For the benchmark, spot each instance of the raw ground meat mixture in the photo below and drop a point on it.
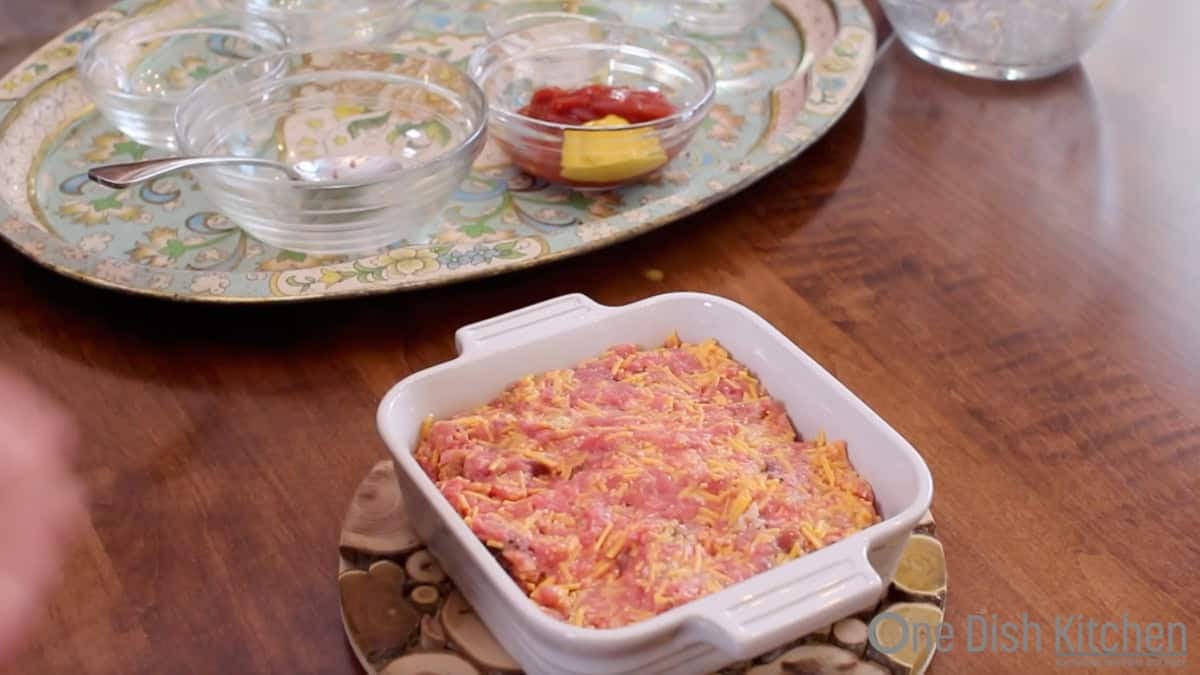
(640, 480)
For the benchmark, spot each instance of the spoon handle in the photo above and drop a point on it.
(120, 176)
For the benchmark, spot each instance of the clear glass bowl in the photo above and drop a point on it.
(333, 23)
(1000, 39)
(716, 18)
(508, 17)
(138, 71)
(417, 110)
(573, 54)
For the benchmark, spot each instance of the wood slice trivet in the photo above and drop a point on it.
(403, 615)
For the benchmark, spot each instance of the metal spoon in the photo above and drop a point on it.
(326, 170)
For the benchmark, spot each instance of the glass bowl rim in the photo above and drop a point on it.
(494, 11)
(708, 77)
(367, 5)
(464, 147)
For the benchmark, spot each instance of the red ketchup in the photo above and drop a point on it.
(578, 107)
(585, 104)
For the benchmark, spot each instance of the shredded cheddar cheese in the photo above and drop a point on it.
(603, 535)
(739, 505)
(829, 477)
(640, 480)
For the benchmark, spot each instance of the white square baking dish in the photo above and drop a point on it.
(737, 623)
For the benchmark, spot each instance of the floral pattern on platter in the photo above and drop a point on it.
(165, 239)
(103, 210)
(114, 146)
(348, 129)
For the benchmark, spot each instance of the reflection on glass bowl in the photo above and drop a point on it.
(418, 111)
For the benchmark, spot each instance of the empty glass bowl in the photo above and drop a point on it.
(416, 110)
(573, 54)
(333, 23)
(140, 70)
(508, 17)
(1000, 39)
(716, 18)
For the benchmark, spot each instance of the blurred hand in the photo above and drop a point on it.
(41, 503)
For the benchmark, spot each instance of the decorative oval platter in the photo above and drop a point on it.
(790, 81)
(403, 616)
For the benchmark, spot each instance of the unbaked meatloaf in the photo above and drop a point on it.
(640, 480)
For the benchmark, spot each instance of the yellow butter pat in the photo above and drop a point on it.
(610, 156)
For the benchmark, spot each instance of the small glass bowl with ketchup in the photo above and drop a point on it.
(591, 104)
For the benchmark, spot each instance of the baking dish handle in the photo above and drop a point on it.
(515, 326)
(780, 606)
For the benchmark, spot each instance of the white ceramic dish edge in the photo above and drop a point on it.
(737, 623)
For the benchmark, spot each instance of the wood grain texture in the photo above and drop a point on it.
(1006, 273)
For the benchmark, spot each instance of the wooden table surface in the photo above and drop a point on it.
(1006, 272)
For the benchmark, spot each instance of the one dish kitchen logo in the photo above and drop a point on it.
(1073, 641)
